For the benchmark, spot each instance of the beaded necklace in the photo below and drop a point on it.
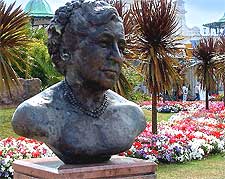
(95, 113)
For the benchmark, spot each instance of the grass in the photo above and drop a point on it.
(160, 116)
(210, 168)
(5, 123)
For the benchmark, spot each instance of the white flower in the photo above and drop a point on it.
(152, 158)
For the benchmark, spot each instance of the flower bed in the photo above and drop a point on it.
(168, 106)
(21, 148)
(188, 135)
(216, 97)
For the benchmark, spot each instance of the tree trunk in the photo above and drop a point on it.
(223, 93)
(177, 93)
(164, 97)
(154, 111)
(207, 99)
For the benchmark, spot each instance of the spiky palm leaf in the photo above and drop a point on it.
(155, 41)
(220, 63)
(155, 28)
(205, 52)
(219, 58)
(122, 85)
(221, 48)
(13, 23)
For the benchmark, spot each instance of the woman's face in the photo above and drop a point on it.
(97, 60)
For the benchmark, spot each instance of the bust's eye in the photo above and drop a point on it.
(104, 43)
(121, 45)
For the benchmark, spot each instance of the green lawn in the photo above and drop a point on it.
(160, 116)
(210, 168)
(5, 123)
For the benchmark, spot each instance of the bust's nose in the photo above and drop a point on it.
(115, 54)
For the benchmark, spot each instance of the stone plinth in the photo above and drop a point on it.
(53, 168)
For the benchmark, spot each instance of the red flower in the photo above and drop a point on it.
(172, 140)
(191, 136)
(155, 152)
(21, 138)
(0, 152)
(36, 154)
(121, 154)
(137, 145)
(216, 134)
(179, 136)
(221, 126)
(129, 152)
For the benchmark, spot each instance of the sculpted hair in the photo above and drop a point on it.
(76, 18)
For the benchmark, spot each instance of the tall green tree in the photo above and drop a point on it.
(155, 25)
(205, 52)
(13, 35)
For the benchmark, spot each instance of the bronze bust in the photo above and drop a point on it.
(80, 118)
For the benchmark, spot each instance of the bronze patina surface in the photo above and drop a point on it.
(80, 118)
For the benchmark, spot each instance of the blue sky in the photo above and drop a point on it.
(203, 11)
(198, 11)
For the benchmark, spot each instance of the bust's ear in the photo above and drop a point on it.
(64, 54)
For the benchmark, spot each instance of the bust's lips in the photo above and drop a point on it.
(110, 72)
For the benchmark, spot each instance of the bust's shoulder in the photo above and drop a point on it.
(35, 110)
(120, 101)
(127, 110)
(43, 99)
(117, 99)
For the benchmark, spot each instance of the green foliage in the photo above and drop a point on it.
(134, 78)
(138, 97)
(38, 63)
(24, 70)
(13, 36)
(42, 66)
(39, 34)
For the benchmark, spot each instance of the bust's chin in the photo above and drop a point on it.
(102, 85)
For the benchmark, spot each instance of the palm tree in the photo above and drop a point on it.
(154, 35)
(13, 31)
(220, 63)
(205, 52)
(122, 85)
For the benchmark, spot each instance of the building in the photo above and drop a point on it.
(39, 11)
(184, 30)
(216, 28)
(190, 37)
